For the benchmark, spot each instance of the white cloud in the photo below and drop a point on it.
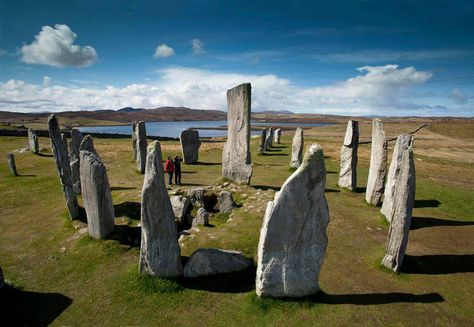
(197, 46)
(46, 81)
(163, 51)
(55, 47)
(379, 90)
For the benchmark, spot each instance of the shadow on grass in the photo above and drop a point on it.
(360, 189)
(82, 215)
(200, 163)
(25, 308)
(331, 172)
(422, 222)
(331, 190)
(25, 175)
(438, 264)
(189, 172)
(266, 187)
(122, 188)
(426, 204)
(45, 155)
(274, 154)
(128, 209)
(126, 235)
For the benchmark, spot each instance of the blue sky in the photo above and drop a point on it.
(339, 57)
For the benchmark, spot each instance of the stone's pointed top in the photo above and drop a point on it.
(87, 144)
(53, 121)
(351, 126)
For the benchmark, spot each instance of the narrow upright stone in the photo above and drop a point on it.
(348, 172)
(236, 158)
(269, 139)
(277, 136)
(134, 139)
(12, 164)
(293, 237)
(96, 195)
(141, 146)
(404, 142)
(226, 202)
(190, 145)
(261, 145)
(160, 254)
(404, 198)
(378, 165)
(62, 164)
(33, 141)
(297, 148)
(74, 149)
(64, 138)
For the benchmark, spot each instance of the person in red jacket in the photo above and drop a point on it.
(169, 168)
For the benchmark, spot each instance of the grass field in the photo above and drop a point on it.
(62, 277)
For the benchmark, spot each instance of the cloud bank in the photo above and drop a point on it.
(381, 90)
(163, 51)
(54, 46)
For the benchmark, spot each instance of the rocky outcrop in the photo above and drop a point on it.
(141, 146)
(205, 262)
(293, 237)
(348, 171)
(236, 158)
(160, 255)
(226, 202)
(190, 144)
(33, 141)
(378, 165)
(297, 149)
(11, 164)
(196, 196)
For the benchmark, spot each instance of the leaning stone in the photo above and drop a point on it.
(226, 202)
(202, 218)
(134, 139)
(62, 164)
(263, 137)
(12, 164)
(236, 158)
(181, 207)
(33, 141)
(160, 255)
(269, 139)
(404, 198)
(378, 164)
(297, 148)
(74, 149)
(348, 171)
(141, 146)
(293, 237)
(277, 136)
(205, 262)
(404, 142)
(190, 144)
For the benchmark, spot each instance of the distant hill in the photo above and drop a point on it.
(274, 112)
(130, 109)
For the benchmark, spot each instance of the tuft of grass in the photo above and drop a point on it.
(133, 280)
(221, 218)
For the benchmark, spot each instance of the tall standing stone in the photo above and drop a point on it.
(269, 139)
(293, 237)
(277, 136)
(348, 172)
(96, 195)
(261, 145)
(378, 164)
(141, 146)
(33, 141)
(12, 164)
(297, 148)
(134, 139)
(160, 254)
(64, 138)
(190, 144)
(74, 149)
(404, 198)
(236, 158)
(62, 164)
(404, 142)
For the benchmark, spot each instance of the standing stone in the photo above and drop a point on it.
(202, 218)
(64, 137)
(404, 142)
(263, 138)
(277, 136)
(226, 202)
(378, 165)
(62, 164)
(404, 198)
(74, 149)
(87, 144)
(236, 159)
(134, 139)
(297, 148)
(269, 139)
(12, 164)
(96, 195)
(33, 141)
(348, 172)
(190, 144)
(141, 146)
(181, 207)
(160, 255)
(293, 237)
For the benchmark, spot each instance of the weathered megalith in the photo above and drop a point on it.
(141, 146)
(160, 255)
(263, 138)
(404, 142)
(196, 196)
(74, 149)
(134, 139)
(202, 218)
(236, 158)
(33, 141)
(277, 136)
(190, 144)
(269, 139)
(96, 195)
(297, 148)
(404, 198)
(62, 164)
(226, 202)
(205, 262)
(378, 164)
(12, 164)
(181, 207)
(348, 171)
(293, 237)
(64, 137)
